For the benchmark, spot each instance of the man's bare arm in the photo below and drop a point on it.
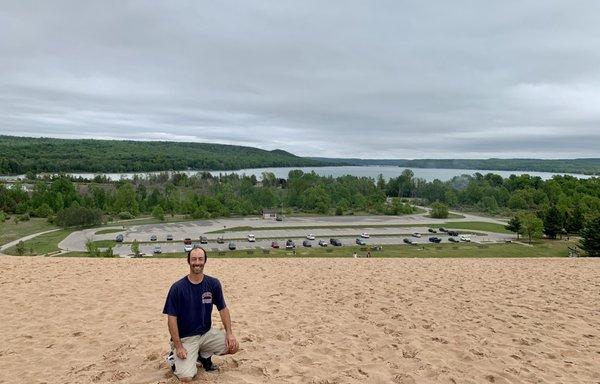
(232, 344)
(174, 331)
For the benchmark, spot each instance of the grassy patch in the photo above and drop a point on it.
(478, 226)
(105, 243)
(104, 231)
(10, 231)
(42, 244)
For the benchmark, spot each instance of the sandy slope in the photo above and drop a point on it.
(68, 320)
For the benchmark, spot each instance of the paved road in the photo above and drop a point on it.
(193, 229)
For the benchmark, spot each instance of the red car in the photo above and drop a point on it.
(274, 244)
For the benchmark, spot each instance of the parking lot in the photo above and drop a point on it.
(383, 230)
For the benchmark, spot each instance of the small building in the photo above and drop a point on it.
(269, 213)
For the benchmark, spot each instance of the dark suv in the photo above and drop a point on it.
(290, 244)
(335, 242)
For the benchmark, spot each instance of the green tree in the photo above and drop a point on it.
(135, 247)
(531, 226)
(590, 237)
(575, 219)
(439, 210)
(20, 248)
(553, 222)
(77, 215)
(43, 210)
(126, 199)
(92, 248)
(158, 213)
(514, 225)
(2, 217)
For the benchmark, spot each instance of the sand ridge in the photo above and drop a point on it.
(78, 320)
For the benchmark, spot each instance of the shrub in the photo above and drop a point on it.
(78, 216)
(3, 217)
(43, 210)
(125, 215)
(158, 213)
(439, 210)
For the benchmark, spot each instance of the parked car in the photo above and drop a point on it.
(465, 238)
(231, 246)
(452, 233)
(157, 249)
(119, 238)
(274, 244)
(153, 238)
(220, 240)
(169, 237)
(310, 236)
(251, 238)
(453, 239)
(364, 235)
(432, 230)
(335, 242)
(322, 243)
(408, 241)
(435, 239)
(360, 241)
(416, 234)
(290, 244)
(306, 243)
(203, 240)
(442, 229)
(279, 218)
(187, 244)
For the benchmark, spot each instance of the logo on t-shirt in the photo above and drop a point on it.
(207, 298)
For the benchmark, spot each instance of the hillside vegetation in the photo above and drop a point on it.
(19, 155)
(582, 166)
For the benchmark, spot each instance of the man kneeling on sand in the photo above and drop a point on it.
(189, 307)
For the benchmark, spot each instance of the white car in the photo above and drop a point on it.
(464, 238)
(251, 238)
(187, 247)
(416, 234)
(364, 235)
(310, 236)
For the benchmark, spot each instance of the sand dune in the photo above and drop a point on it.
(66, 320)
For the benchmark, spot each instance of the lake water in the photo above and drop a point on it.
(388, 172)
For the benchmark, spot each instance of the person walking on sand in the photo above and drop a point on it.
(355, 255)
(188, 308)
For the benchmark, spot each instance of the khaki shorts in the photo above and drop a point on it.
(211, 343)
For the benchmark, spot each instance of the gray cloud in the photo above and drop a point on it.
(384, 79)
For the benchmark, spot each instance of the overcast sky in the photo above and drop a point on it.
(371, 79)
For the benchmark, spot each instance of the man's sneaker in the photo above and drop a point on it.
(207, 364)
(171, 360)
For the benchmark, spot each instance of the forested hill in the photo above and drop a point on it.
(585, 166)
(19, 155)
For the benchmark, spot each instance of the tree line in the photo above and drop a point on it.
(559, 206)
(19, 155)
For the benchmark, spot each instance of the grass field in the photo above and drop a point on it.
(10, 231)
(42, 244)
(469, 225)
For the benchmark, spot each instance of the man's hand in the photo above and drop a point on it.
(232, 343)
(181, 352)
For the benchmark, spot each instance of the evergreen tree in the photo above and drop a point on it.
(514, 225)
(553, 222)
(590, 237)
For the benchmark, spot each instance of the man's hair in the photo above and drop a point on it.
(197, 247)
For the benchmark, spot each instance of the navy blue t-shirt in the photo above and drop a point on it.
(192, 304)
